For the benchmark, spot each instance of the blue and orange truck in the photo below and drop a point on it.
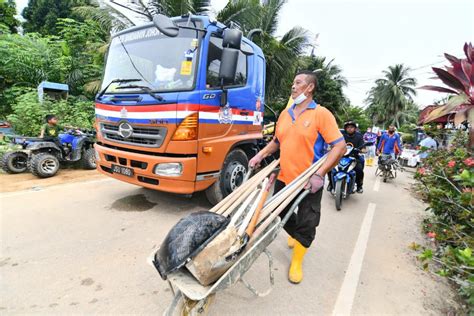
(181, 106)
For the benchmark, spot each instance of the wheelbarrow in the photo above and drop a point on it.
(192, 298)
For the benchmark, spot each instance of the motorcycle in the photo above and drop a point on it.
(343, 176)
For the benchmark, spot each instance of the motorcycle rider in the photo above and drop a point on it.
(390, 143)
(356, 139)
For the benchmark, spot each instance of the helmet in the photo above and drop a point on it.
(348, 123)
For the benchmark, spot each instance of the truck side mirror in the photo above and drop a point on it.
(228, 67)
(227, 70)
(165, 25)
(232, 38)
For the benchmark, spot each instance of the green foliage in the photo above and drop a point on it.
(42, 15)
(446, 182)
(408, 138)
(74, 57)
(356, 114)
(390, 100)
(330, 83)
(28, 114)
(7, 15)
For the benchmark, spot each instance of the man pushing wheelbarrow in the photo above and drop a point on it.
(302, 131)
(209, 251)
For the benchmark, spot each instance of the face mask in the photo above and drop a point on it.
(391, 132)
(301, 98)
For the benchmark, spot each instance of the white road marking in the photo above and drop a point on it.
(42, 189)
(377, 184)
(346, 296)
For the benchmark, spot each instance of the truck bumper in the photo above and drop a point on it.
(143, 166)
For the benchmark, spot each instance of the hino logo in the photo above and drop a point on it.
(125, 130)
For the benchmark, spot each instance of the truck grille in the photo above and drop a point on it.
(141, 136)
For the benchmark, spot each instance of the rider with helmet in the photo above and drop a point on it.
(355, 139)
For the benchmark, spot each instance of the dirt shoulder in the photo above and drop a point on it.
(27, 181)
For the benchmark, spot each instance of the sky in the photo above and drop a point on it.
(364, 37)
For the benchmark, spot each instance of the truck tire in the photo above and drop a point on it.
(232, 174)
(14, 162)
(44, 165)
(88, 159)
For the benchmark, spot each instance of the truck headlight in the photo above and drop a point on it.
(169, 169)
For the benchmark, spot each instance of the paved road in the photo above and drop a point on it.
(82, 248)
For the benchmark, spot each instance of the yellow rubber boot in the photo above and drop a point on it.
(295, 274)
(291, 242)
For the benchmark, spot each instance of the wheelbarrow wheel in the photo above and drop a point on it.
(182, 306)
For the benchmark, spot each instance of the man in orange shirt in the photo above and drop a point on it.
(302, 132)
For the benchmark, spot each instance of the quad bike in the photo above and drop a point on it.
(43, 156)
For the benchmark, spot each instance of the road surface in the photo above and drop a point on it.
(82, 248)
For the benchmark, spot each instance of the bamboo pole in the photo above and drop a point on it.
(236, 197)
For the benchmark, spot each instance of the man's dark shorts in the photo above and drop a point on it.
(302, 226)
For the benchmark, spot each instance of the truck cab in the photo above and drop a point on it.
(181, 106)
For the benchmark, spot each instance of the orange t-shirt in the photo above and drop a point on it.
(304, 140)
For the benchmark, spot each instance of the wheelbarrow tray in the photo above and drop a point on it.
(192, 289)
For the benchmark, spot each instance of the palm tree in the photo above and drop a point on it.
(319, 65)
(392, 94)
(281, 54)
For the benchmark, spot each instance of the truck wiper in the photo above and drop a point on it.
(143, 89)
(102, 92)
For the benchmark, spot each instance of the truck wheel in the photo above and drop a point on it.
(14, 162)
(232, 176)
(44, 165)
(88, 159)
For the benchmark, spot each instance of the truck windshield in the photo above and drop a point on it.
(162, 63)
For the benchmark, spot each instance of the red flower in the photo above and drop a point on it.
(469, 161)
(421, 171)
(451, 164)
(431, 235)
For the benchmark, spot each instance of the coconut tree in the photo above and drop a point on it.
(393, 92)
(281, 54)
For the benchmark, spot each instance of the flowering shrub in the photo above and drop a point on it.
(446, 182)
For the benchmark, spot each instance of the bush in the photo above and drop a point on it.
(28, 113)
(446, 183)
(408, 139)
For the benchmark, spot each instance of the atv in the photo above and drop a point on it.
(43, 156)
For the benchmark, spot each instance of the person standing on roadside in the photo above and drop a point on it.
(371, 138)
(302, 132)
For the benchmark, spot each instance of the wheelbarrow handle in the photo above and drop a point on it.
(294, 206)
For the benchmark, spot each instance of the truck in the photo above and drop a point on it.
(181, 106)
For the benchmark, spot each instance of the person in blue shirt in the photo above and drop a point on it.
(370, 138)
(390, 143)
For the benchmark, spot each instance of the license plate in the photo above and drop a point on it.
(122, 170)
